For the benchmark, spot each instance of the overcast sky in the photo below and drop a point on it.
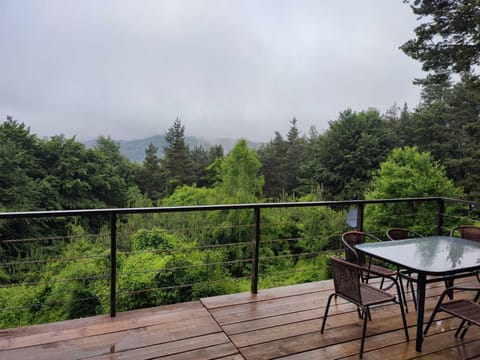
(226, 68)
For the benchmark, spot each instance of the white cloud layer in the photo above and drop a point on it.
(227, 68)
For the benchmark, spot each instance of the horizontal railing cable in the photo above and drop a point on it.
(281, 239)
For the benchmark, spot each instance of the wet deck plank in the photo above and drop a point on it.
(280, 322)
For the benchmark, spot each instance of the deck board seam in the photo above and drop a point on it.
(217, 307)
(222, 329)
(125, 351)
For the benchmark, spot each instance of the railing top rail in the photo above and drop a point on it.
(170, 209)
(467, 202)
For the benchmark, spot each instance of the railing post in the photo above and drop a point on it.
(113, 265)
(440, 212)
(361, 207)
(255, 249)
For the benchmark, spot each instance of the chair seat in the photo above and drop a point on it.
(373, 296)
(346, 281)
(464, 309)
(381, 270)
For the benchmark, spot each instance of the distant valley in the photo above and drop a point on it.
(135, 149)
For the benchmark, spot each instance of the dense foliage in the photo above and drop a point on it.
(54, 269)
(408, 173)
(447, 121)
(178, 257)
(343, 158)
(447, 39)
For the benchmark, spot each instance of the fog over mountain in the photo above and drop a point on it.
(135, 149)
(227, 69)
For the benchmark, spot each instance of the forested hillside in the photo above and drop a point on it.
(135, 149)
(55, 269)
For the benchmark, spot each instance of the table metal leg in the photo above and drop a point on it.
(421, 285)
(449, 284)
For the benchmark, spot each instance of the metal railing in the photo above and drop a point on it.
(115, 215)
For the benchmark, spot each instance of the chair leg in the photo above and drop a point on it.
(432, 317)
(366, 278)
(462, 324)
(449, 284)
(365, 311)
(404, 319)
(402, 295)
(463, 328)
(412, 289)
(460, 327)
(326, 312)
(360, 311)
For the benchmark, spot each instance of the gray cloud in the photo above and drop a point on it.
(226, 68)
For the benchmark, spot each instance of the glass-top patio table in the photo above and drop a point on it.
(432, 255)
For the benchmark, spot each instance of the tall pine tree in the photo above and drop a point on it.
(177, 161)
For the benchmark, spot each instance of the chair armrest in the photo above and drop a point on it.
(416, 233)
(392, 279)
(457, 288)
(463, 288)
(374, 237)
(370, 271)
(353, 250)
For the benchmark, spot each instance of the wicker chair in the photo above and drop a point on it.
(469, 232)
(352, 238)
(398, 233)
(401, 233)
(467, 310)
(347, 284)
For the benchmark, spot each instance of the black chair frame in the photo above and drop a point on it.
(369, 270)
(400, 233)
(348, 285)
(467, 310)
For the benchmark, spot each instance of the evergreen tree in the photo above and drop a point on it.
(449, 128)
(110, 149)
(272, 156)
(402, 125)
(177, 161)
(447, 40)
(342, 159)
(203, 161)
(447, 120)
(79, 177)
(150, 176)
(295, 155)
(281, 160)
(215, 152)
(114, 173)
(200, 161)
(20, 170)
(405, 128)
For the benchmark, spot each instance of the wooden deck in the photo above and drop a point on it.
(276, 323)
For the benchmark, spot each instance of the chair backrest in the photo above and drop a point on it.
(401, 233)
(346, 280)
(350, 239)
(469, 232)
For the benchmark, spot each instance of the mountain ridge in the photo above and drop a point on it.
(135, 149)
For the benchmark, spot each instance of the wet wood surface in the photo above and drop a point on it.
(280, 322)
